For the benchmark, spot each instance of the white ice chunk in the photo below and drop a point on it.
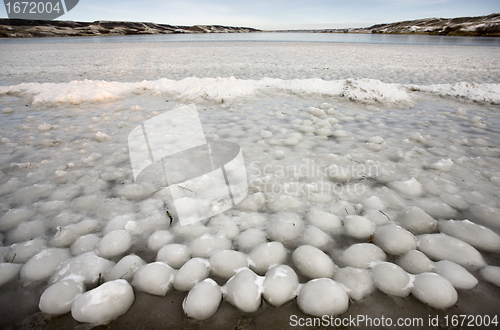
(250, 238)
(224, 226)
(104, 303)
(444, 247)
(491, 274)
(8, 272)
(434, 290)
(326, 221)
(417, 221)
(192, 272)
(43, 264)
(174, 255)
(207, 245)
(159, 239)
(266, 255)
(15, 217)
(225, 263)
(85, 244)
(391, 279)
(358, 226)
(394, 239)
(357, 280)
(154, 278)
(57, 298)
(312, 262)
(285, 227)
(244, 291)
(317, 238)
(458, 276)
(125, 268)
(87, 265)
(114, 244)
(478, 236)
(67, 235)
(323, 297)
(22, 252)
(415, 262)
(203, 300)
(362, 255)
(442, 165)
(410, 188)
(280, 285)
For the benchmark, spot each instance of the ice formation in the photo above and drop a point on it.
(391, 173)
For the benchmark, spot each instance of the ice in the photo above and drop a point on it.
(225, 263)
(458, 276)
(192, 272)
(491, 274)
(323, 297)
(224, 227)
(125, 268)
(285, 203)
(14, 217)
(154, 278)
(478, 236)
(358, 281)
(415, 262)
(43, 264)
(312, 262)
(34, 192)
(485, 215)
(394, 239)
(250, 238)
(114, 244)
(27, 230)
(434, 290)
(22, 252)
(118, 222)
(207, 245)
(317, 238)
(266, 255)
(358, 226)
(362, 255)
(326, 221)
(104, 303)
(391, 279)
(244, 291)
(410, 188)
(159, 239)
(417, 221)
(87, 265)
(280, 285)
(8, 272)
(203, 300)
(58, 298)
(174, 255)
(285, 227)
(444, 247)
(67, 235)
(86, 243)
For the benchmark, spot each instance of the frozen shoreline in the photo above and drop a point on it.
(428, 124)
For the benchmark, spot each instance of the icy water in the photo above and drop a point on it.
(363, 161)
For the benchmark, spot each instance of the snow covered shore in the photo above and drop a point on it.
(373, 176)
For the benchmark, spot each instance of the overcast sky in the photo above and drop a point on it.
(275, 14)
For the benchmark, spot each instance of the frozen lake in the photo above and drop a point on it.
(372, 166)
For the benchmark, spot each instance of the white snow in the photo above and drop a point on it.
(104, 303)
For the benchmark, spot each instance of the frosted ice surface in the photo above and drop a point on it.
(58, 298)
(280, 285)
(391, 279)
(434, 290)
(266, 255)
(357, 280)
(174, 255)
(243, 291)
(192, 272)
(225, 263)
(458, 276)
(155, 278)
(394, 239)
(312, 262)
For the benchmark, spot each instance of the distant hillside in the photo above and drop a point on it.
(460, 26)
(20, 28)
